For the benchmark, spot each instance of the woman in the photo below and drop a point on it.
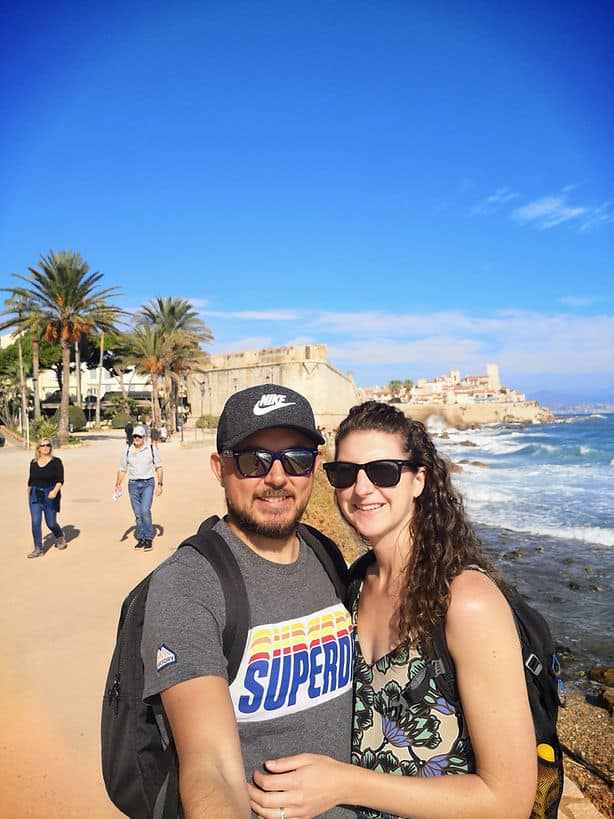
(44, 487)
(394, 489)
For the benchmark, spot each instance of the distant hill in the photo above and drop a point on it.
(575, 400)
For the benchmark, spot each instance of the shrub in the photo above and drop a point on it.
(120, 419)
(207, 421)
(43, 428)
(76, 418)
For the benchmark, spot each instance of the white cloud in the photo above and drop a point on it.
(239, 345)
(521, 342)
(577, 301)
(547, 212)
(550, 211)
(551, 346)
(499, 197)
(256, 315)
(597, 217)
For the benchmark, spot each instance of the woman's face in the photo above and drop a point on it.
(44, 448)
(377, 511)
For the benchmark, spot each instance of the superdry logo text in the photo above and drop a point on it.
(271, 402)
(165, 657)
(294, 665)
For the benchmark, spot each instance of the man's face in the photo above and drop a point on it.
(270, 506)
(138, 441)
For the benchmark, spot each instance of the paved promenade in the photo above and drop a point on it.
(59, 614)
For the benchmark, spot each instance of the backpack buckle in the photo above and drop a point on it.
(534, 664)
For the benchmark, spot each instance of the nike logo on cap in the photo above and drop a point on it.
(269, 403)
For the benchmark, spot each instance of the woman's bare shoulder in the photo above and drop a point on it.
(475, 598)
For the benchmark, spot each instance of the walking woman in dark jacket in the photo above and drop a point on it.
(44, 488)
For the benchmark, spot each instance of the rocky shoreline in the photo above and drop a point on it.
(587, 730)
(469, 416)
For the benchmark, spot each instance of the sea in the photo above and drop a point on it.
(541, 497)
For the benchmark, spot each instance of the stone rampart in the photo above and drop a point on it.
(304, 368)
(463, 416)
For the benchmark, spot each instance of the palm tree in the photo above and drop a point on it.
(69, 299)
(174, 315)
(148, 348)
(177, 319)
(25, 317)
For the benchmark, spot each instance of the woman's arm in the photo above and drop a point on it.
(483, 642)
(59, 478)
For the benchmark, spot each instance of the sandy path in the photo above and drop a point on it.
(59, 614)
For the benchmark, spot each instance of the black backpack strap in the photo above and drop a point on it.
(442, 664)
(329, 556)
(356, 574)
(214, 548)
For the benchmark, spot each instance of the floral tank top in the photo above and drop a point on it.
(402, 723)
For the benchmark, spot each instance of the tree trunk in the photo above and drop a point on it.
(35, 376)
(99, 391)
(63, 432)
(78, 372)
(22, 386)
(154, 401)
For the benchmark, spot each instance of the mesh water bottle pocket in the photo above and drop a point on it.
(549, 785)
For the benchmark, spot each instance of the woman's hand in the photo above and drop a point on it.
(305, 785)
(53, 494)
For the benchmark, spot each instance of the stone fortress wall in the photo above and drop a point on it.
(304, 368)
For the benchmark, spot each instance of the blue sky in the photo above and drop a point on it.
(418, 185)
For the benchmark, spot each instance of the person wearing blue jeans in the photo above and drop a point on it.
(144, 468)
(45, 482)
(141, 493)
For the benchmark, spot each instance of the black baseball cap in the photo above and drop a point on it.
(263, 407)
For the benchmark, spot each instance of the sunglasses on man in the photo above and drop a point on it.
(383, 473)
(297, 462)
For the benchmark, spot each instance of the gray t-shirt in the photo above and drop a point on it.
(293, 690)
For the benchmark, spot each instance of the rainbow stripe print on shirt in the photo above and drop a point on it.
(294, 665)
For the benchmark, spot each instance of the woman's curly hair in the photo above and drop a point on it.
(443, 541)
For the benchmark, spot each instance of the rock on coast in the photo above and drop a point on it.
(467, 416)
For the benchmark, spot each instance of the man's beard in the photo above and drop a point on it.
(277, 531)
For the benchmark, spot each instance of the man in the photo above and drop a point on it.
(143, 464)
(292, 692)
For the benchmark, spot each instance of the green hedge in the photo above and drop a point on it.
(76, 418)
(120, 419)
(207, 421)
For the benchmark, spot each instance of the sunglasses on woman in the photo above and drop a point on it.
(384, 473)
(297, 462)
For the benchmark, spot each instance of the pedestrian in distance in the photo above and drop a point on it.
(45, 483)
(395, 490)
(293, 686)
(145, 478)
(154, 436)
(163, 433)
(128, 429)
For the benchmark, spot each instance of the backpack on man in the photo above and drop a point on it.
(139, 761)
(542, 674)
